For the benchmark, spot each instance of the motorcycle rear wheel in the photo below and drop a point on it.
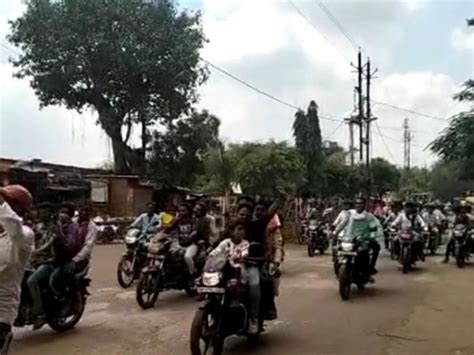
(344, 282)
(125, 276)
(148, 290)
(63, 324)
(198, 327)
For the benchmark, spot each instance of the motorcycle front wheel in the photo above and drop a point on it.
(201, 340)
(148, 289)
(460, 261)
(125, 272)
(405, 259)
(310, 250)
(344, 282)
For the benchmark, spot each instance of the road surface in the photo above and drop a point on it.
(429, 311)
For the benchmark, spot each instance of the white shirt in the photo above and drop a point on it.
(342, 218)
(16, 245)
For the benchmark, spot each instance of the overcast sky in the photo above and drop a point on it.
(422, 49)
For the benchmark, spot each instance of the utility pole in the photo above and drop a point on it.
(407, 137)
(352, 121)
(360, 106)
(368, 119)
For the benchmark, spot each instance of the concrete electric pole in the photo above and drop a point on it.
(407, 137)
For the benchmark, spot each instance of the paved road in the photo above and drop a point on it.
(427, 312)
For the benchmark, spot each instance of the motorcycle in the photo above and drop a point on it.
(432, 238)
(61, 313)
(409, 252)
(461, 252)
(316, 237)
(224, 312)
(133, 260)
(302, 232)
(352, 264)
(165, 269)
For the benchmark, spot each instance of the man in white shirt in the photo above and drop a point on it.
(16, 245)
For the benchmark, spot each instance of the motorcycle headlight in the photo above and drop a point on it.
(211, 279)
(130, 239)
(346, 246)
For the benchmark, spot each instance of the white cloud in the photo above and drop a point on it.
(52, 134)
(462, 39)
(269, 45)
(425, 92)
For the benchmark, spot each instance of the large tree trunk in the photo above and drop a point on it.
(120, 156)
(126, 160)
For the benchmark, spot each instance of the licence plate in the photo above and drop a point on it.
(349, 253)
(211, 290)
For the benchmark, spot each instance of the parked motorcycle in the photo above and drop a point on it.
(224, 311)
(352, 264)
(316, 237)
(165, 269)
(461, 252)
(133, 260)
(61, 313)
(410, 249)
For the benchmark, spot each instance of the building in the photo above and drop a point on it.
(111, 194)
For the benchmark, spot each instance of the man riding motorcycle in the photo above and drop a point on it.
(433, 219)
(16, 245)
(257, 220)
(395, 209)
(72, 244)
(149, 222)
(362, 223)
(190, 230)
(409, 218)
(461, 218)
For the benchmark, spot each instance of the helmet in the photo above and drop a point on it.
(18, 195)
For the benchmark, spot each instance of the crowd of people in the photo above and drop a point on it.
(59, 245)
(362, 217)
(64, 242)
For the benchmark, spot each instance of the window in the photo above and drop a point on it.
(99, 192)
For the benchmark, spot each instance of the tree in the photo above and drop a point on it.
(415, 180)
(263, 167)
(135, 62)
(307, 133)
(456, 143)
(385, 175)
(178, 153)
(446, 182)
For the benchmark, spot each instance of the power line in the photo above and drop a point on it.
(384, 142)
(339, 25)
(252, 87)
(225, 72)
(317, 30)
(335, 130)
(10, 49)
(409, 110)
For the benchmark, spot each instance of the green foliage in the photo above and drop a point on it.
(456, 143)
(269, 166)
(133, 61)
(259, 168)
(385, 176)
(179, 151)
(415, 180)
(446, 182)
(307, 133)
